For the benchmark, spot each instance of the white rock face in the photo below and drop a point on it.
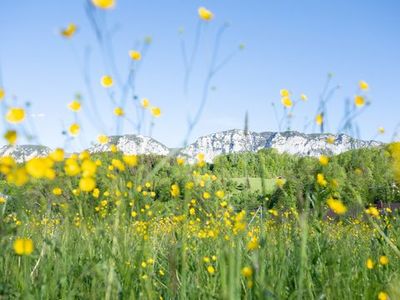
(226, 142)
(292, 142)
(22, 153)
(132, 144)
(232, 141)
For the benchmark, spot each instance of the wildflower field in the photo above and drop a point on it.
(249, 225)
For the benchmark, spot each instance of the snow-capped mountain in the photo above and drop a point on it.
(24, 152)
(132, 144)
(231, 141)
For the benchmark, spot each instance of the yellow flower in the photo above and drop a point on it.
(15, 115)
(175, 191)
(369, 264)
(247, 272)
(372, 211)
(145, 103)
(106, 81)
(69, 31)
(359, 101)
(336, 206)
(303, 97)
(75, 106)
(11, 136)
(210, 269)
(102, 139)
(363, 85)
(381, 130)
(220, 194)
(74, 129)
(57, 191)
(2, 93)
(119, 111)
(321, 180)
(330, 140)
(280, 182)
(89, 168)
(130, 160)
(287, 102)
(23, 246)
(18, 177)
(40, 168)
(180, 161)
(116, 163)
(87, 184)
(284, 93)
(57, 155)
(104, 4)
(323, 160)
(135, 55)
(383, 296)
(206, 195)
(113, 148)
(72, 167)
(383, 260)
(252, 244)
(205, 14)
(155, 112)
(319, 119)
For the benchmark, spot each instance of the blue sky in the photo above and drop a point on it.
(288, 44)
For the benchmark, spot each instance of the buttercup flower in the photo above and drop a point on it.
(205, 14)
(104, 4)
(23, 246)
(145, 103)
(11, 136)
(15, 115)
(156, 112)
(2, 93)
(106, 81)
(363, 85)
(69, 31)
(135, 55)
(74, 129)
(119, 111)
(336, 206)
(359, 101)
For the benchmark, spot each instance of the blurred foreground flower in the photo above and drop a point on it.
(23, 246)
(106, 81)
(75, 106)
(205, 14)
(74, 129)
(135, 55)
(11, 136)
(15, 115)
(156, 112)
(102, 139)
(319, 119)
(2, 93)
(359, 101)
(69, 31)
(119, 111)
(104, 4)
(363, 85)
(336, 206)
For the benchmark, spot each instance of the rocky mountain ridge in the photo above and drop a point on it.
(212, 145)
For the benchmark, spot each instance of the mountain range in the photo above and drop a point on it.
(212, 145)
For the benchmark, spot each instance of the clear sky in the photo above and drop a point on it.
(288, 44)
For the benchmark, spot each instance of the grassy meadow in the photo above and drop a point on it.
(264, 225)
